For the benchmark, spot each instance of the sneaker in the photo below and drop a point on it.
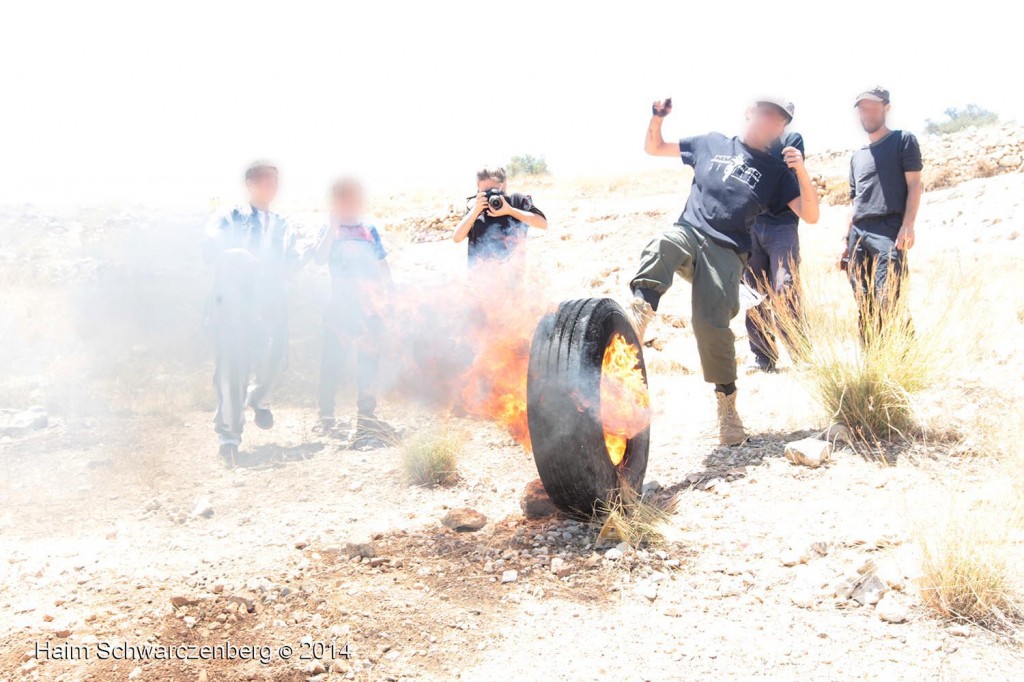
(730, 428)
(229, 455)
(639, 313)
(263, 418)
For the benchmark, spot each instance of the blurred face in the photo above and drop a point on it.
(347, 204)
(872, 114)
(489, 184)
(262, 187)
(765, 124)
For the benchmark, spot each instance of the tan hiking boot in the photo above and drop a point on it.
(730, 428)
(640, 313)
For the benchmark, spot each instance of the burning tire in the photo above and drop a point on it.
(587, 404)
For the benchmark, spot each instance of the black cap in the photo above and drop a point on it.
(875, 94)
(780, 103)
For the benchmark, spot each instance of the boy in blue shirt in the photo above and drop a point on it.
(360, 279)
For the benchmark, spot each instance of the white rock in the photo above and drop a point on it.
(890, 610)
(203, 509)
(614, 554)
(509, 576)
(792, 557)
(802, 598)
(810, 452)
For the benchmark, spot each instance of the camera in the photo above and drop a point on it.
(495, 199)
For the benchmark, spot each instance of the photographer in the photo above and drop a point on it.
(497, 222)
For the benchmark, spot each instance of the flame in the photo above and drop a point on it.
(625, 402)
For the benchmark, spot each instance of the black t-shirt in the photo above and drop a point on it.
(878, 186)
(496, 237)
(786, 217)
(732, 185)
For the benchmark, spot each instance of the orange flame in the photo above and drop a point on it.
(625, 402)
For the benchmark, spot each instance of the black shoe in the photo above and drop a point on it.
(229, 455)
(766, 365)
(263, 418)
(324, 427)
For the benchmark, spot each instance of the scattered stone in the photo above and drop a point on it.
(802, 598)
(843, 588)
(136, 673)
(17, 423)
(837, 433)
(203, 509)
(560, 567)
(178, 601)
(535, 501)
(650, 487)
(614, 554)
(869, 590)
(673, 612)
(710, 485)
(301, 543)
(1010, 161)
(509, 576)
(959, 631)
(648, 590)
(792, 556)
(810, 452)
(464, 520)
(377, 562)
(358, 548)
(62, 633)
(890, 610)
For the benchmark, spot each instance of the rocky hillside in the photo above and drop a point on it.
(948, 160)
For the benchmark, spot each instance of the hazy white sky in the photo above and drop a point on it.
(138, 101)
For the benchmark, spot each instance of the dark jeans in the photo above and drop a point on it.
(338, 346)
(877, 269)
(774, 257)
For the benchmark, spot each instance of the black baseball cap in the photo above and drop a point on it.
(780, 103)
(875, 94)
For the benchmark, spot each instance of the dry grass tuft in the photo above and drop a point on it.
(636, 520)
(431, 457)
(969, 571)
(837, 191)
(869, 380)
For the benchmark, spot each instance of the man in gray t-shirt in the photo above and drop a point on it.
(885, 190)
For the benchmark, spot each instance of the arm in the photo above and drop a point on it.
(654, 143)
(529, 217)
(322, 250)
(905, 238)
(466, 224)
(805, 205)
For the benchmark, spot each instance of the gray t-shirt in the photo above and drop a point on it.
(878, 186)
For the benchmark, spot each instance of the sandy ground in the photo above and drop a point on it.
(130, 530)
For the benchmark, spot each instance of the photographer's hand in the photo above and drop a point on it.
(481, 204)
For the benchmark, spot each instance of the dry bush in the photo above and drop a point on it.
(431, 457)
(871, 383)
(939, 177)
(634, 519)
(969, 571)
(837, 191)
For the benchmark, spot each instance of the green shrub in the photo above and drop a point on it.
(958, 119)
(525, 164)
(431, 458)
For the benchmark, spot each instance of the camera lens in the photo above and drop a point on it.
(494, 201)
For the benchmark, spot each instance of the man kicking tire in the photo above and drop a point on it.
(735, 180)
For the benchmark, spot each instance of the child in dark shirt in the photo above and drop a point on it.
(360, 278)
(495, 234)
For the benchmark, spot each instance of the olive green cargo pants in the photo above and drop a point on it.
(715, 272)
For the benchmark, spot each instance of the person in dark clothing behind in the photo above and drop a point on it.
(774, 255)
(253, 250)
(735, 179)
(885, 190)
(496, 234)
(360, 280)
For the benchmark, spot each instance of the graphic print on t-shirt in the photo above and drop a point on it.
(736, 167)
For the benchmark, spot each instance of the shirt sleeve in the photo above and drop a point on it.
(378, 245)
(524, 202)
(795, 140)
(910, 153)
(788, 189)
(689, 148)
